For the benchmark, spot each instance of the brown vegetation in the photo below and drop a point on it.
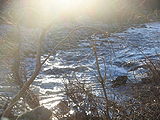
(81, 102)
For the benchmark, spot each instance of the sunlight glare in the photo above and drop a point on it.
(35, 12)
(69, 4)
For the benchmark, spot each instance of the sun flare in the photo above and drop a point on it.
(35, 11)
(69, 4)
(58, 7)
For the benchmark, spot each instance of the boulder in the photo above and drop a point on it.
(39, 113)
(120, 80)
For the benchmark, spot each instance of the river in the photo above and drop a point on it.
(122, 52)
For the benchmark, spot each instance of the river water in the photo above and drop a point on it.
(122, 53)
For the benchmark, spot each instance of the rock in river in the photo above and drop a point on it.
(39, 113)
(120, 80)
